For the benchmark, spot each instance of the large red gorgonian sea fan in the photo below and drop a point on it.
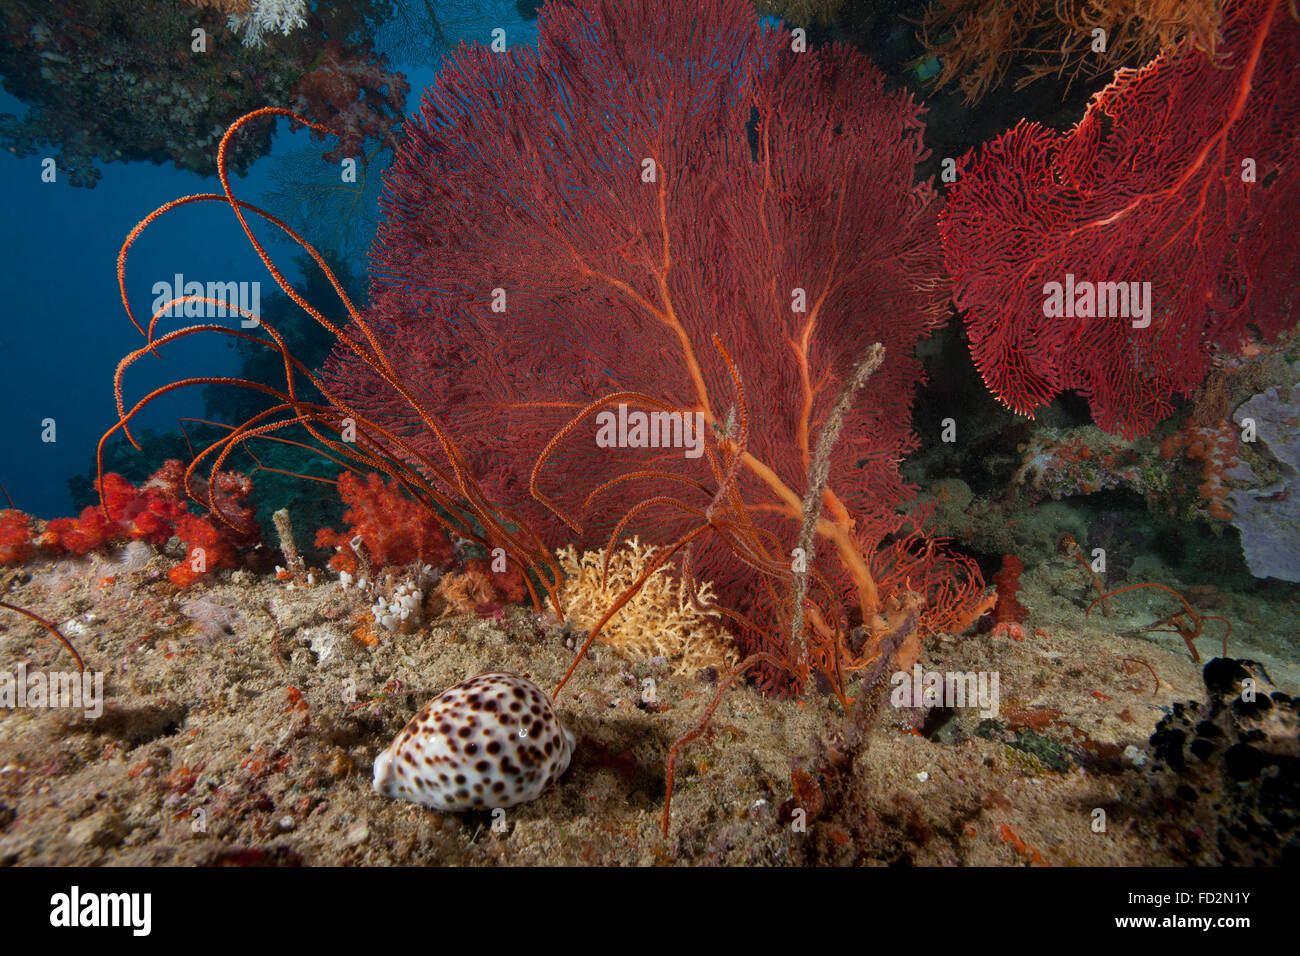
(601, 223)
(1181, 174)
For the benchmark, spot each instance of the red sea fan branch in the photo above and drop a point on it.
(1150, 186)
(567, 231)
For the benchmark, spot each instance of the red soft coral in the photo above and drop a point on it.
(393, 528)
(15, 537)
(77, 535)
(356, 95)
(207, 548)
(151, 513)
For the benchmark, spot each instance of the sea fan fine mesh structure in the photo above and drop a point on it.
(674, 210)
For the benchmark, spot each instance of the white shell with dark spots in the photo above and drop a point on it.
(491, 741)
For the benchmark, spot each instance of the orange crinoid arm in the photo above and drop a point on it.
(437, 475)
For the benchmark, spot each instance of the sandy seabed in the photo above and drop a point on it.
(246, 735)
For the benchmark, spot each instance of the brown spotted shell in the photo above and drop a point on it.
(491, 741)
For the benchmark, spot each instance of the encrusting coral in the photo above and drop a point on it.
(667, 618)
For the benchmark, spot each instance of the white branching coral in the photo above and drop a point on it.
(661, 620)
(268, 16)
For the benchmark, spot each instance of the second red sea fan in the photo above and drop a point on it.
(581, 221)
(1179, 185)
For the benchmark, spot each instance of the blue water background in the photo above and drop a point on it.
(64, 329)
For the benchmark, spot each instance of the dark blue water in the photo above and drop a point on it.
(64, 328)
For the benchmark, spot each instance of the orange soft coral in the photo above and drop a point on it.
(509, 584)
(480, 590)
(1215, 447)
(393, 528)
(468, 591)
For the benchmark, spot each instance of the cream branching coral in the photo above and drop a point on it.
(254, 19)
(662, 620)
